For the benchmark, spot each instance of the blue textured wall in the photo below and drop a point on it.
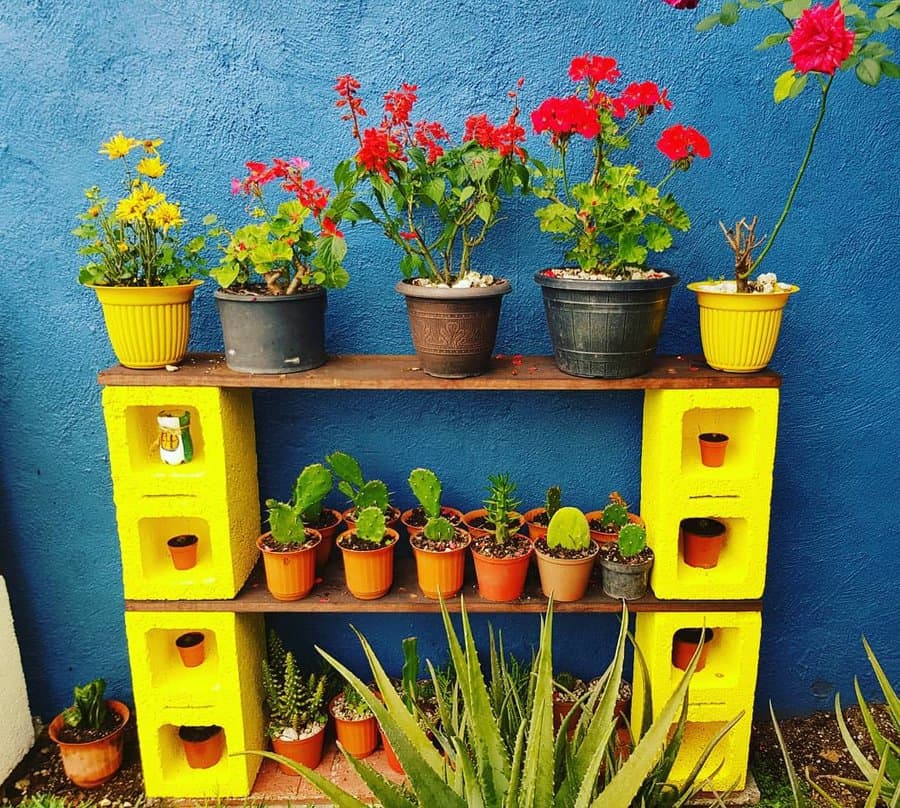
(223, 82)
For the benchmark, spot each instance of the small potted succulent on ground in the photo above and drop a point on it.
(437, 202)
(295, 707)
(368, 552)
(625, 563)
(702, 541)
(143, 274)
(538, 519)
(354, 722)
(274, 272)
(290, 548)
(565, 557)
(501, 554)
(203, 745)
(605, 524)
(362, 493)
(439, 548)
(89, 735)
(605, 310)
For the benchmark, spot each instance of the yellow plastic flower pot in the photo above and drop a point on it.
(739, 332)
(148, 326)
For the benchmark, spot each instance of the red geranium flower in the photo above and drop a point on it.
(565, 116)
(329, 229)
(821, 41)
(593, 68)
(643, 95)
(680, 142)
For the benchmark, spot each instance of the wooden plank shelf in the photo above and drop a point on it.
(378, 372)
(331, 595)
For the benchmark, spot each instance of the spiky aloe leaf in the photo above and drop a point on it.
(346, 467)
(862, 763)
(890, 696)
(632, 539)
(537, 770)
(387, 793)
(426, 487)
(883, 747)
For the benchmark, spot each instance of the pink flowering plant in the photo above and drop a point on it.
(288, 246)
(614, 218)
(433, 199)
(823, 41)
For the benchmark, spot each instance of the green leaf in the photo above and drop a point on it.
(209, 219)
(466, 192)
(434, 189)
(887, 9)
(657, 236)
(360, 210)
(772, 40)
(799, 86)
(729, 14)
(707, 23)
(783, 85)
(411, 265)
(868, 71)
(484, 211)
(794, 8)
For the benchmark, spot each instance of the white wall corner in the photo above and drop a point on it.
(16, 730)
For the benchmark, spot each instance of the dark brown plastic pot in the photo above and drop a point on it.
(453, 330)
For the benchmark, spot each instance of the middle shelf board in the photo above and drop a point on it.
(331, 595)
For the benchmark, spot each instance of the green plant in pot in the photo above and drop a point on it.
(290, 548)
(89, 735)
(428, 490)
(368, 553)
(361, 492)
(502, 555)
(605, 308)
(144, 275)
(295, 707)
(625, 563)
(565, 557)
(537, 519)
(313, 484)
(354, 722)
(440, 547)
(605, 524)
(437, 202)
(740, 319)
(274, 272)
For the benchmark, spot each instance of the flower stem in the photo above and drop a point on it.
(801, 171)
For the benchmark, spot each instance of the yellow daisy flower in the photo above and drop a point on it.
(94, 211)
(151, 145)
(167, 215)
(147, 195)
(118, 146)
(130, 209)
(151, 167)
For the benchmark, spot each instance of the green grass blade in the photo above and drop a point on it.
(829, 800)
(875, 793)
(883, 747)
(890, 696)
(799, 799)
(867, 769)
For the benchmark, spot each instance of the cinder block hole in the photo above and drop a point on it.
(723, 663)
(736, 422)
(173, 760)
(156, 561)
(143, 436)
(168, 672)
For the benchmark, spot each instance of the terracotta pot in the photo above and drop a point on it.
(290, 575)
(606, 538)
(703, 541)
(360, 737)
(91, 764)
(390, 518)
(561, 709)
(307, 751)
(712, 448)
(455, 516)
(191, 647)
(501, 579)
(389, 755)
(565, 578)
(479, 532)
(323, 551)
(625, 581)
(183, 550)
(685, 643)
(535, 531)
(441, 573)
(369, 573)
(203, 746)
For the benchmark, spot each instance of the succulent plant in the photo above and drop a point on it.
(370, 525)
(553, 501)
(361, 492)
(569, 529)
(427, 489)
(632, 539)
(288, 519)
(500, 503)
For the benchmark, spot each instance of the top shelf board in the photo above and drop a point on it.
(377, 372)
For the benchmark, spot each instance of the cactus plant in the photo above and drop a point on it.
(370, 525)
(292, 700)
(499, 504)
(361, 492)
(632, 540)
(569, 530)
(427, 489)
(287, 520)
(553, 501)
(616, 513)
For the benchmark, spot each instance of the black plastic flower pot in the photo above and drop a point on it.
(267, 334)
(605, 329)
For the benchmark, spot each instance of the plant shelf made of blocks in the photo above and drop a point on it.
(731, 753)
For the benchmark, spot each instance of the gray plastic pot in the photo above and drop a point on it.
(628, 581)
(266, 334)
(605, 329)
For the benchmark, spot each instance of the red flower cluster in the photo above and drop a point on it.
(377, 147)
(398, 105)
(563, 117)
(309, 193)
(594, 69)
(427, 135)
(821, 41)
(504, 138)
(641, 96)
(329, 229)
(346, 88)
(681, 142)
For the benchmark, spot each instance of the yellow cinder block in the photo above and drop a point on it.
(725, 687)
(225, 690)
(675, 486)
(215, 495)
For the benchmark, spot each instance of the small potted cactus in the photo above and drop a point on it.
(362, 493)
(312, 486)
(565, 557)
(605, 524)
(354, 723)
(625, 564)
(368, 552)
(538, 519)
(440, 547)
(501, 554)
(422, 481)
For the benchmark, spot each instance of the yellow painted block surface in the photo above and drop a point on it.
(225, 690)
(215, 495)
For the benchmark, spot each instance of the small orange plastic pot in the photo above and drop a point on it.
(203, 746)
(441, 573)
(369, 574)
(703, 540)
(685, 643)
(323, 551)
(712, 448)
(389, 755)
(191, 647)
(290, 575)
(360, 737)
(452, 514)
(183, 550)
(516, 519)
(307, 751)
(91, 764)
(502, 579)
(535, 531)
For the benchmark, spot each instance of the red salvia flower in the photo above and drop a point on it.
(427, 135)
(408, 235)
(682, 4)
(329, 229)
(346, 88)
(821, 41)
(377, 149)
(398, 104)
(680, 142)
(594, 69)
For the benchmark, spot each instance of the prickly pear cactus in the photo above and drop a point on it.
(346, 467)
(370, 525)
(426, 487)
(615, 515)
(554, 500)
(373, 494)
(285, 523)
(569, 529)
(439, 529)
(632, 539)
(311, 488)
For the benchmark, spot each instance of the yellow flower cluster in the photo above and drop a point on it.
(145, 201)
(119, 146)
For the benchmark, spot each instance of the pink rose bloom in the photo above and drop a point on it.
(821, 41)
(683, 3)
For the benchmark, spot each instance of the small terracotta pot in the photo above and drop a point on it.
(183, 550)
(480, 533)
(606, 538)
(565, 578)
(561, 709)
(501, 579)
(441, 573)
(307, 751)
(203, 746)
(389, 755)
(91, 764)
(323, 551)
(455, 516)
(685, 643)
(712, 448)
(360, 737)
(535, 531)
(703, 540)
(390, 518)
(369, 573)
(191, 647)
(290, 575)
